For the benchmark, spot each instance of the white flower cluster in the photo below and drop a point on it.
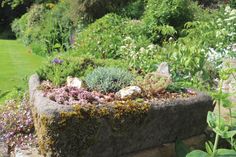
(137, 56)
(226, 34)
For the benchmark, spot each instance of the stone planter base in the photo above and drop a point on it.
(166, 150)
(118, 130)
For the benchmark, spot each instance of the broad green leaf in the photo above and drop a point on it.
(229, 134)
(226, 153)
(181, 149)
(198, 153)
(213, 122)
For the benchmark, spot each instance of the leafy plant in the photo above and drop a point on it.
(164, 17)
(104, 37)
(58, 69)
(232, 3)
(223, 129)
(91, 10)
(46, 29)
(108, 79)
(133, 9)
(141, 59)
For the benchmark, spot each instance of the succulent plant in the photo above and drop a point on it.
(154, 83)
(16, 124)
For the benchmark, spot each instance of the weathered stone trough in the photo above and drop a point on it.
(106, 132)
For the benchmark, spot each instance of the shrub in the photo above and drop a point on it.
(133, 9)
(94, 9)
(104, 37)
(108, 79)
(36, 14)
(50, 27)
(232, 3)
(164, 17)
(56, 29)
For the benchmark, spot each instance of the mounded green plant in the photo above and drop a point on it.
(109, 79)
(58, 68)
(104, 37)
(224, 129)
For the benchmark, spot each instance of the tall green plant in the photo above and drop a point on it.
(222, 128)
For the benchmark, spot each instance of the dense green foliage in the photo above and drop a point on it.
(94, 9)
(222, 127)
(164, 17)
(58, 69)
(142, 33)
(46, 28)
(108, 79)
(104, 37)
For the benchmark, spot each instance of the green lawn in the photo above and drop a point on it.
(16, 63)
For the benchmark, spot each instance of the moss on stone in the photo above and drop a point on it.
(72, 133)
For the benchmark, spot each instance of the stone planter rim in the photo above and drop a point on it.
(53, 107)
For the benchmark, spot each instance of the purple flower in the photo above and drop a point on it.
(57, 61)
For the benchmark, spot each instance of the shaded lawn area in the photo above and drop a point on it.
(16, 63)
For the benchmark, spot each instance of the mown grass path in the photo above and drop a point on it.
(16, 63)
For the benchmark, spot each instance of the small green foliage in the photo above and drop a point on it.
(102, 38)
(108, 79)
(58, 69)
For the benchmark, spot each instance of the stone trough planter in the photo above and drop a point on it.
(114, 131)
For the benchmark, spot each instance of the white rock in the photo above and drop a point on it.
(74, 82)
(129, 92)
(163, 69)
(25, 152)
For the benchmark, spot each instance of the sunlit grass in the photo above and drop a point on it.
(16, 64)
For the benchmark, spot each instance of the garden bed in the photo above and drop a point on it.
(114, 130)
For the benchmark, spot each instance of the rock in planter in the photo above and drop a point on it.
(129, 92)
(163, 70)
(74, 82)
(114, 130)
